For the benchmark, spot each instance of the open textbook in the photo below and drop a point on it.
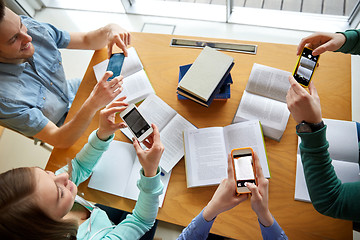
(171, 126)
(207, 149)
(344, 152)
(118, 171)
(136, 84)
(265, 99)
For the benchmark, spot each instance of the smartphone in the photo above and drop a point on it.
(115, 64)
(244, 168)
(137, 124)
(305, 67)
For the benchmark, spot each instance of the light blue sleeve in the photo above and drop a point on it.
(273, 232)
(60, 37)
(21, 118)
(198, 229)
(86, 159)
(142, 219)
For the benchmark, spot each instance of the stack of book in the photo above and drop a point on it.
(208, 78)
(224, 92)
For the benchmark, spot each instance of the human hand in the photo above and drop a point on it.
(105, 91)
(150, 157)
(322, 42)
(225, 196)
(303, 105)
(260, 195)
(107, 125)
(119, 36)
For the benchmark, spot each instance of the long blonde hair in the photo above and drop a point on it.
(21, 217)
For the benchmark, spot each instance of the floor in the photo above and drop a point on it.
(74, 20)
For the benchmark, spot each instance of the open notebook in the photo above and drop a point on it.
(118, 171)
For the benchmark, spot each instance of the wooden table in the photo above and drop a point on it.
(161, 62)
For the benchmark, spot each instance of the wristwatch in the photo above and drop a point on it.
(305, 127)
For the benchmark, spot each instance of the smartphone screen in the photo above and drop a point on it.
(244, 172)
(115, 64)
(136, 122)
(305, 67)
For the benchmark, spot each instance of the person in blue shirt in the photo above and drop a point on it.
(34, 93)
(38, 204)
(225, 199)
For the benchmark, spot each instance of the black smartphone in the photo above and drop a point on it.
(115, 64)
(305, 67)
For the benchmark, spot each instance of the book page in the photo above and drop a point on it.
(112, 171)
(269, 82)
(272, 114)
(132, 63)
(136, 84)
(205, 156)
(136, 87)
(247, 134)
(156, 111)
(132, 191)
(343, 141)
(345, 171)
(172, 138)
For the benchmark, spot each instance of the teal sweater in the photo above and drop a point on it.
(98, 225)
(352, 43)
(328, 195)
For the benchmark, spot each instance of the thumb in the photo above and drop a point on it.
(106, 76)
(254, 190)
(137, 146)
(312, 89)
(110, 47)
(322, 48)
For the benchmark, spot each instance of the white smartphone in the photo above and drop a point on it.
(137, 124)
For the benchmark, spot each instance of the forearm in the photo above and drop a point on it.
(328, 195)
(93, 40)
(86, 159)
(66, 135)
(144, 214)
(198, 229)
(272, 232)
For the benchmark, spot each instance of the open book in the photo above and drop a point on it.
(207, 149)
(136, 84)
(344, 152)
(118, 171)
(171, 126)
(265, 99)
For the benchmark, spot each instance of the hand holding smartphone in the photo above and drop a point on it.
(115, 64)
(305, 67)
(136, 123)
(244, 168)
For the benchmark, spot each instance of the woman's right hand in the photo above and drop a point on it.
(321, 42)
(150, 157)
(260, 195)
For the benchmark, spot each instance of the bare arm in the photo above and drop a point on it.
(106, 36)
(65, 136)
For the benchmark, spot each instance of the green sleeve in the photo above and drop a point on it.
(87, 158)
(328, 195)
(352, 43)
